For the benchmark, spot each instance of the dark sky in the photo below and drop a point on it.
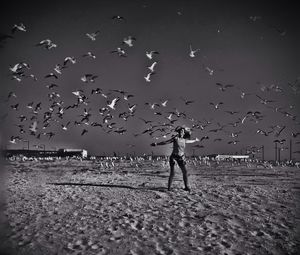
(251, 45)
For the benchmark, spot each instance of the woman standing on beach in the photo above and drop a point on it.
(179, 141)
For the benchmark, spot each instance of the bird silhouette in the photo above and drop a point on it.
(129, 41)
(149, 54)
(192, 52)
(93, 35)
(47, 43)
(217, 105)
(89, 54)
(51, 75)
(121, 52)
(112, 104)
(151, 68)
(18, 27)
(147, 77)
(118, 18)
(223, 87)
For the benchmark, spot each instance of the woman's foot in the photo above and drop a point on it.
(187, 189)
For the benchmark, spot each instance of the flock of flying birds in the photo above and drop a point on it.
(118, 105)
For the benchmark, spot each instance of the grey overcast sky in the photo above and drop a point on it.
(250, 45)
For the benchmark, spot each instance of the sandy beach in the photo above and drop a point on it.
(123, 207)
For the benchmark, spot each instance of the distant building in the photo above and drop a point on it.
(227, 157)
(72, 152)
(46, 153)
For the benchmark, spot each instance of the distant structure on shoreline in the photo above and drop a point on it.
(228, 157)
(46, 153)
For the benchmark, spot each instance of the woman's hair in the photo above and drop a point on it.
(187, 132)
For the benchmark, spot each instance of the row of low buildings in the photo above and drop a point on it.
(84, 154)
(46, 153)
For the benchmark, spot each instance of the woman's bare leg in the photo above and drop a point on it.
(171, 175)
(185, 177)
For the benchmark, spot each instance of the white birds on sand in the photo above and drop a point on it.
(192, 52)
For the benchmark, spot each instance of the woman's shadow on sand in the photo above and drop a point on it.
(162, 189)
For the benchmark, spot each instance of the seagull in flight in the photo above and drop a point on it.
(33, 127)
(121, 52)
(89, 78)
(113, 103)
(151, 68)
(18, 27)
(65, 127)
(47, 43)
(118, 17)
(209, 70)
(51, 75)
(149, 54)
(58, 68)
(192, 52)
(187, 102)
(69, 59)
(18, 67)
(92, 36)
(129, 41)
(254, 18)
(147, 77)
(14, 139)
(204, 138)
(216, 106)
(279, 141)
(231, 112)
(223, 87)
(89, 54)
(83, 132)
(164, 103)
(264, 101)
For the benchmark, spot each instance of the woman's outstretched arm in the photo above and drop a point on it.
(192, 140)
(163, 142)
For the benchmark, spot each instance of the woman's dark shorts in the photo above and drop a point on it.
(179, 159)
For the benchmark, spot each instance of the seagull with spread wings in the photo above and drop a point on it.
(149, 54)
(89, 54)
(18, 27)
(217, 105)
(129, 41)
(112, 104)
(151, 68)
(147, 77)
(223, 87)
(47, 43)
(92, 36)
(121, 52)
(192, 52)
